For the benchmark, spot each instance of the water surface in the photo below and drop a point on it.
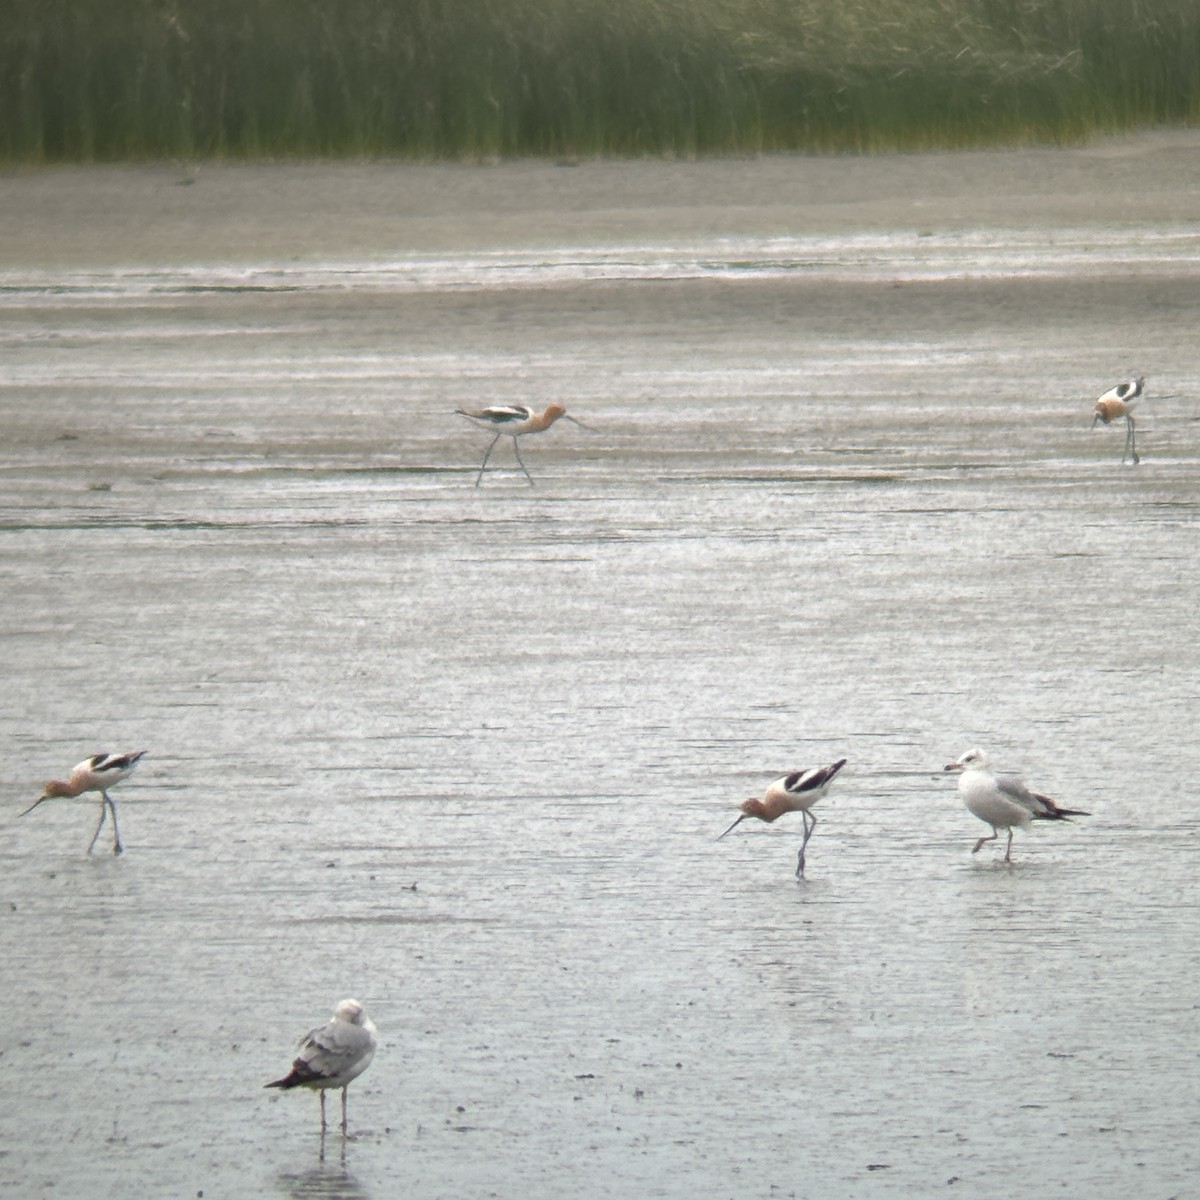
(463, 753)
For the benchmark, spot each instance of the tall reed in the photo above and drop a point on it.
(120, 79)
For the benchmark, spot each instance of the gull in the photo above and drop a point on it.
(796, 792)
(333, 1054)
(1002, 801)
(95, 774)
(514, 421)
(1118, 402)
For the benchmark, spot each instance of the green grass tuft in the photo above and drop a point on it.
(128, 79)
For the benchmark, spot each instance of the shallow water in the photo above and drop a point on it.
(463, 753)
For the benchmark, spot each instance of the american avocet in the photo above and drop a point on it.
(796, 792)
(514, 421)
(95, 774)
(1002, 801)
(1118, 402)
(333, 1054)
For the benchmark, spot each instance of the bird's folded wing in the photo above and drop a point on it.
(1013, 787)
(810, 779)
(331, 1049)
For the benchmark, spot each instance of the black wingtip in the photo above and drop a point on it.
(288, 1081)
(300, 1074)
(1054, 813)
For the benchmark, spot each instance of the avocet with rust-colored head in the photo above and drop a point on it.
(796, 792)
(95, 774)
(1116, 403)
(514, 421)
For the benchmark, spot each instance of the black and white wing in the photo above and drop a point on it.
(499, 414)
(104, 763)
(814, 779)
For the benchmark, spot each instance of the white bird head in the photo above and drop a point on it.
(974, 759)
(350, 1011)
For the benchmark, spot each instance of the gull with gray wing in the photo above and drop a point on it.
(1002, 801)
(333, 1054)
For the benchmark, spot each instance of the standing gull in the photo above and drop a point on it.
(95, 774)
(333, 1054)
(1118, 402)
(514, 421)
(796, 792)
(1002, 801)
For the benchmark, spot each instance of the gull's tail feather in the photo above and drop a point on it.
(1053, 812)
(300, 1074)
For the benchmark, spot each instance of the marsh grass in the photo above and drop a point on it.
(121, 79)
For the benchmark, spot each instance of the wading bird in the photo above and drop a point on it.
(514, 421)
(1118, 402)
(1002, 801)
(333, 1054)
(796, 792)
(95, 774)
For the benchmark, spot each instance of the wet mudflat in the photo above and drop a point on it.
(463, 753)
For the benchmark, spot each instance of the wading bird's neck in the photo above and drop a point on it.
(757, 808)
(552, 413)
(59, 788)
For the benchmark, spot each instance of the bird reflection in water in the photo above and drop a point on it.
(329, 1180)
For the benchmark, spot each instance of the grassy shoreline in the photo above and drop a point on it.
(120, 80)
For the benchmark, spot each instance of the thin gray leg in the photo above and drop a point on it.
(1130, 442)
(343, 1112)
(118, 845)
(808, 832)
(518, 454)
(103, 814)
(485, 459)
